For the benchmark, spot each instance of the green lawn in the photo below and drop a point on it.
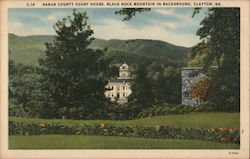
(108, 142)
(195, 120)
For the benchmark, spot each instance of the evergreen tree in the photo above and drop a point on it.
(73, 73)
(142, 94)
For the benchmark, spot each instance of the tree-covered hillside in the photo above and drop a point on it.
(27, 50)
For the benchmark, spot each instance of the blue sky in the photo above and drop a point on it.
(173, 25)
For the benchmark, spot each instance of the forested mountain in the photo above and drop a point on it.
(27, 50)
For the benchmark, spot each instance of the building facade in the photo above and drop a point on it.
(190, 76)
(119, 89)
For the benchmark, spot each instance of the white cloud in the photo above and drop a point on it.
(54, 16)
(51, 17)
(115, 29)
(108, 28)
(165, 12)
(25, 31)
(16, 24)
(182, 20)
(170, 25)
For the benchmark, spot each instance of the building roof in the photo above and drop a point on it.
(119, 80)
(124, 66)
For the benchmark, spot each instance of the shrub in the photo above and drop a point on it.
(229, 135)
(206, 107)
(166, 109)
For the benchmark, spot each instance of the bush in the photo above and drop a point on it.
(228, 135)
(166, 109)
(16, 109)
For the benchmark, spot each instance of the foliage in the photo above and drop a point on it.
(220, 44)
(73, 74)
(130, 12)
(194, 120)
(229, 135)
(167, 109)
(200, 89)
(24, 90)
(142, 95)
(27, 49)
(154, 84)
(166, 81)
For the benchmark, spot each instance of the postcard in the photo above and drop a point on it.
(124, 79)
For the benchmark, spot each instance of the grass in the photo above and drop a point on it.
(195, 120)
(108, 142)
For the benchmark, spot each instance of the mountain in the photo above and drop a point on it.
(28, 49)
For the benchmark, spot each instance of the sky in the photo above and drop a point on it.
(172, 25)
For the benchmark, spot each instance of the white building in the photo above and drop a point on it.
(119, 88)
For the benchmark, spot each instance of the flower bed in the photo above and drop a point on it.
(228, 135)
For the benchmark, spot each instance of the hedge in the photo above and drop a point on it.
(167, 109)
(228, 135)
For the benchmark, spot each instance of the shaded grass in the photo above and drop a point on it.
(194, 120)
(109, 142)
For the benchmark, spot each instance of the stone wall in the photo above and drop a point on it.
(190, 75)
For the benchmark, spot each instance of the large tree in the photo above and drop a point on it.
(142, 93)
(73, 73)
(166, 85)
(220, 45)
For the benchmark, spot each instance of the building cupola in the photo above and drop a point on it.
(124, 72)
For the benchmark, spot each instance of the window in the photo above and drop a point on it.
(186, 94)
(118, 88)
(123, 94)
(194, 74)
(124, 87)
(118, 95)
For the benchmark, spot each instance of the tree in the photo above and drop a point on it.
(73, 74)
(23, 90)
(220, 41)
(166, 83)
(142, 94)
(200, 89)
(130, 12)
